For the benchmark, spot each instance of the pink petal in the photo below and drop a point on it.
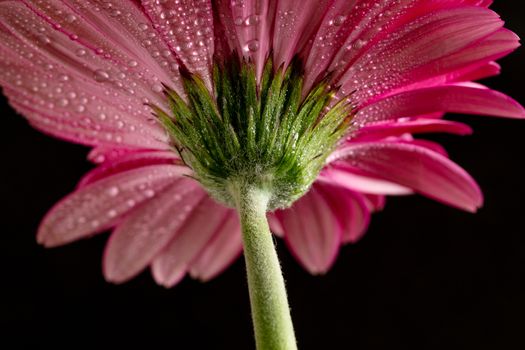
(416, 167)
(480, 72)
(419, 49)
(118, 32)
(86, 131)
(450, 98)
(99, 206)
(275, 225)
(295, 22)
(353, 179)
(431, 145)
(103, 154)
(224, 247)
(146, 231)
(374, 203)
(226, 40)
(350, 208)
(349, 29)
(251, 21)
(127, 162)
(187, 27)
(193, 237)
(466, 61)
(344, 32)
(72, 82)
(312, 231)
(378, 130)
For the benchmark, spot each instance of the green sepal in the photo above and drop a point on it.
(260, 133)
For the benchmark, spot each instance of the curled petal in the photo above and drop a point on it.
(374, 202)
(146, 231)
(351, 208)
(205, 221)
(126, 162)
(312, 230)
(379, 130)
(222, 249)
(459, 98)
(99, 206)
(353, 179)
(416, 167)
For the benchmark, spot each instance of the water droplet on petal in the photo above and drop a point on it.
(71, 18)
(156, 88)
(113, 191)
(251, 20)
(252, 46)
(101, 75)
(81, 52)
(238, 21)
(339, 20)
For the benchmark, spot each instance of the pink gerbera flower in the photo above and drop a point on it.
(189, 105)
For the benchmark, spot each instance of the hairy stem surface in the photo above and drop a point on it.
(270, 311)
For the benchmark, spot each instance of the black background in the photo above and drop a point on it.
(424, 277)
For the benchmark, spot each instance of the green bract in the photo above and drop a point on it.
(263, 135)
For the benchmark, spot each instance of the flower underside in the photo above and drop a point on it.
(262, 135)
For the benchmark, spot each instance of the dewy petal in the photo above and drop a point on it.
(464, 62)
(419, 50)
(118, 32)
(251, 21)
(346, 28)
(312, 230)
(187, 27)
(350, 28)
(99, 206)
(101, 154)
(456, 98)
(223, 248)
(200, 227)
(416, 167)
(295, 22)
(146, 231)
(73, 82)
(127, 162)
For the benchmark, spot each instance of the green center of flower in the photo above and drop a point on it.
(265, 135)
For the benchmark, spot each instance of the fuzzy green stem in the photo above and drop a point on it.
(270, 311)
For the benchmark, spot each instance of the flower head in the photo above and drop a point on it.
(315, 101)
